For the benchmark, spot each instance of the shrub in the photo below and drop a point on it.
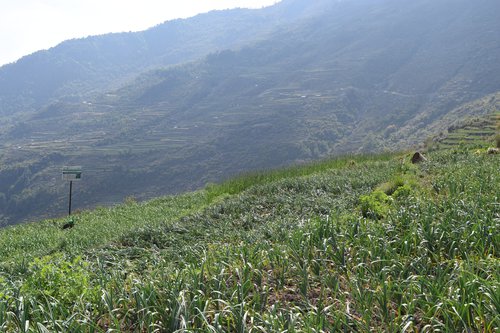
(397, 182)
(402, 192)
(375, 205)
(391, 186)
(65, 281)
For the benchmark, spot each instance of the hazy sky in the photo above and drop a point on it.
(30, 25)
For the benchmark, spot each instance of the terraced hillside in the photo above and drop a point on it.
(362, 244)
(474, 132)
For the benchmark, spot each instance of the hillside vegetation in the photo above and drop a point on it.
(328, 78)
(361, 244)
(78, 69)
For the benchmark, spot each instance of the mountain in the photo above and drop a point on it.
(330, 78)
(78, 68)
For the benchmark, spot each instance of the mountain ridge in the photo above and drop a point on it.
(82, 66)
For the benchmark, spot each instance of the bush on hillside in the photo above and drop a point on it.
(398, 182)
(375, 205)
(53, 277)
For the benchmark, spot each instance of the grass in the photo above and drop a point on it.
(239, 184)
(281, 251)
(92, 229)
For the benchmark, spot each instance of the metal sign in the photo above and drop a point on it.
(72, 173)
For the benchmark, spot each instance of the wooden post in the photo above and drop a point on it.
(70, 190)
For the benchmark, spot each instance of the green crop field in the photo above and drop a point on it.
(356, 244)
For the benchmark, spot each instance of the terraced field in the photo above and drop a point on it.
(477, 132)
(365, 244)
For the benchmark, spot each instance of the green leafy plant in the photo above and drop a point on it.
(54, 277)
(375, 205)
(402, 192)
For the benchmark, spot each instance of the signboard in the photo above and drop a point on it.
(72, 173)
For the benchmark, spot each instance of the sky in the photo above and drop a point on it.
(27, 26)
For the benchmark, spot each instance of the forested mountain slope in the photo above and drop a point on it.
(75, 69)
